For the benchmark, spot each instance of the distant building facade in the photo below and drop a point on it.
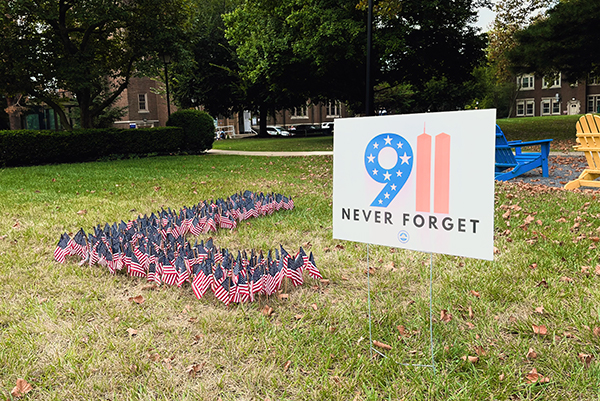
(551, 96)
(144, 106)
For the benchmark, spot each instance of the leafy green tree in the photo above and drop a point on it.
(566, 41)
(431, 45)
(88, 49)
(292, 50)
(209, 75)
(511, 17)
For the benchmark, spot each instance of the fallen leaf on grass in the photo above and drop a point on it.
(267, 310)
(195, 368)
(283, 297)
(597, 270)
(542, 283)
(501, 377)
(470, 325)
(471, 314)
(154, 357)
(324, 281)
(403, 331)
(21, 388)
(132, 332)
(469, 358)
(596, 331)
(539, 309)
(150, 287)
(314, 306)
(287, 365)
(480, 351)
(82, 212)
(298, 316)
(586, 359)
(566, 279)
(381, 345)
(541, 329)
(138, 300)
(475, 293)
(534, 377)
(445, 316)
(531, 354)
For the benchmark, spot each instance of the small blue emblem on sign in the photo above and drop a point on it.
(403, 237)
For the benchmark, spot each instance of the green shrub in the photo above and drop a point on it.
(198, 127)
(30, 147)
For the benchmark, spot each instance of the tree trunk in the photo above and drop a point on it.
(262, 132)
(14, 116)
(58, 110)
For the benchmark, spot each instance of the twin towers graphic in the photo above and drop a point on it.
(389, 160)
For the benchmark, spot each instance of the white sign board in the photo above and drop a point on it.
(419, 181)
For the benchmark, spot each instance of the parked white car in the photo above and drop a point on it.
(276, 130)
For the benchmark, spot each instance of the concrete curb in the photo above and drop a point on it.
(268, 154)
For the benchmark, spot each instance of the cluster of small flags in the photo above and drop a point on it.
(155, 248)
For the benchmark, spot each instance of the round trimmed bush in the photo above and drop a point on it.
(198, 128)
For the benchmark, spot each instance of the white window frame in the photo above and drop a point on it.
(300, 112)
(526, 82)
(333, 108)
(593, 104)
(143, 103)
(553, 106)
(524, 103)
(551, 82)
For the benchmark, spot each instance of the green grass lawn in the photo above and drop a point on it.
(64, 327)
(533, 128)
(277, 144)
(559, 128)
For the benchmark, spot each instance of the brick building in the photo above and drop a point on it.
(145, 107)
(543, 96)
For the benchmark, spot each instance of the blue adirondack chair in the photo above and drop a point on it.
(520, 162)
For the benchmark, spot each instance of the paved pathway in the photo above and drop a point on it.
(252, 153)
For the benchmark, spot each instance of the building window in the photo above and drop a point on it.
(520, 108)
(525, 107)
(333, 109)
(552, 81)
(526, 82)
(593, 104)
(545, 107)
(550, 106)
(143, 102)
(300, 112)
(555, 107)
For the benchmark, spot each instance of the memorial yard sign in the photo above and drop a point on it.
(423, 182)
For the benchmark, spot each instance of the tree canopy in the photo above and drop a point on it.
(209, 74)
(51, 50)
(297, 49)
(565, 41)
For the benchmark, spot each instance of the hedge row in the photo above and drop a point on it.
(28, 147)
